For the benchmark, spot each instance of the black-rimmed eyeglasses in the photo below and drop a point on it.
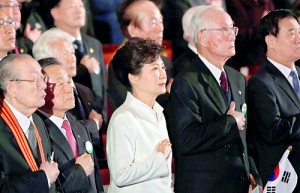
(226, 31)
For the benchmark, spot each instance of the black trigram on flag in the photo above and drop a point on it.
(271, 189)
(286, 177)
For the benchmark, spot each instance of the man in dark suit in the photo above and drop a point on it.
(91, 70)
(55, 43)
(69, 137)
(206, 125)
(273, 95)
(139, 19)
(25, 148)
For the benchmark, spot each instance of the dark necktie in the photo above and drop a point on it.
(32, 140)
(223, 81)
(70, 137)
(79, 50)
(295, 83)
(80, 105)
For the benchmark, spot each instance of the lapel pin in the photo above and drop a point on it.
(89, 147)
(78, 136)
(244, 109)
(92, 50)
(240, 92)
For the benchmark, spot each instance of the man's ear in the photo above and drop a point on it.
(54, 13)
(201, 39)
(11, 89)
(132, 30)
(269, 39)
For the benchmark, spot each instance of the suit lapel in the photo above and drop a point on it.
(236, 91)
(45, 140)
(211, 86)
(283, 83)
(57, 138)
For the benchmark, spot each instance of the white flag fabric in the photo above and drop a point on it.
(284, 177)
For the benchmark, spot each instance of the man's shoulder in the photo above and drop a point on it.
(87, 38)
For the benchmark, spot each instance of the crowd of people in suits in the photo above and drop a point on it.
(198, 111)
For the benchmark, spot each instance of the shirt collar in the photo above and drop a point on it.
(56, 120)
(193, 48)
(216, 72)
(21, 118)
(283, 69)
(134, 102)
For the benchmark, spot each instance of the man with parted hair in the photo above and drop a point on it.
(56, 43)
(274, 95)
(26, 158)
(139, 18)
(205, 119)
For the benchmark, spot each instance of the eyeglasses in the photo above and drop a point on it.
(226, 31)
(38, 81)
(12, 5)
(9, 21)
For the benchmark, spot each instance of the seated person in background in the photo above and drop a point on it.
(139, 18)
(137, 131)
(25, 149)
(191, 52)
(68, 137)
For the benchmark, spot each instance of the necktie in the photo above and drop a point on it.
(79, 50)
(223, 81)
(70, 137)
(295, 83)
(32, 140)
(80, 105)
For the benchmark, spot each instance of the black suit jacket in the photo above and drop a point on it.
(87, 99)
(16, 175)
(274, 119)
(72, 176)
(184, 61)
(96, 82)
(210, 152)
(117, 91)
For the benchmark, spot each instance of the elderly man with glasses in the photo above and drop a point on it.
(206, 122)
(26, 158)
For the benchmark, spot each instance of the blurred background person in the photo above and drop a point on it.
(173, 11)
(70, 17)
(138, 147)
(183, 61)
(7, 34)
(139, 18)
